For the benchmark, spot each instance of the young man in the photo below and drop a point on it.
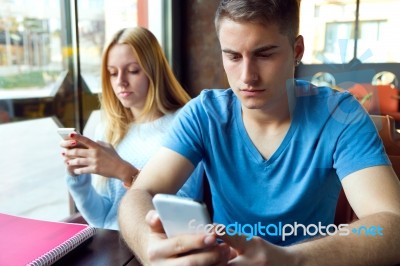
(276, 152)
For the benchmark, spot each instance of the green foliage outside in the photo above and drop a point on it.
(32, 79)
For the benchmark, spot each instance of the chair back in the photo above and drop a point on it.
(378, 99)
(385, 125)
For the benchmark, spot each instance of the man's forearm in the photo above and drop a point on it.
(131, 217)
(363, 246)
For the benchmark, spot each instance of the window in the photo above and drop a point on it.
(352, 45)
(337, 31)
(32, 73)
(46, 84)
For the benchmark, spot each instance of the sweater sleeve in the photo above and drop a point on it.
(92, 205)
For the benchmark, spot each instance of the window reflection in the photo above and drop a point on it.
(378, 31)
(32, 172)
(97, 21)
(329, 28)
(6, 111)
(37, 85)
(30, 46)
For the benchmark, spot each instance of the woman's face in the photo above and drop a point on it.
(128, 80)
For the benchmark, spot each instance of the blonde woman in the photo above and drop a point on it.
(140, 97)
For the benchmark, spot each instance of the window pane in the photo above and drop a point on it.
(378, 31)
(32, 171)
(97, 22)
(31, 63)
(328, 27)
(35, 55)
(32, 69)
(328, 30)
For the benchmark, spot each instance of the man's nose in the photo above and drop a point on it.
(249, 73)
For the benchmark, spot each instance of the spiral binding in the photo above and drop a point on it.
(61, 250)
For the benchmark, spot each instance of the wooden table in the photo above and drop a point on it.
(106, 247)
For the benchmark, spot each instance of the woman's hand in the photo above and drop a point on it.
(194, 249)
(83, 155)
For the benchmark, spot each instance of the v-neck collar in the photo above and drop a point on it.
(249, 143)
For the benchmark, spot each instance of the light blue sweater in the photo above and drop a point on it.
(98, 203)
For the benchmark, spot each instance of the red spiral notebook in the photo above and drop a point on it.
(26, 241)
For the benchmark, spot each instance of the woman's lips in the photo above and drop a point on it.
(125, 94)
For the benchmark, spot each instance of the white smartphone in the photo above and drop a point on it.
(180, 215)
(65, 131)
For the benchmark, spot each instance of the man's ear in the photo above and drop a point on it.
(298, 48)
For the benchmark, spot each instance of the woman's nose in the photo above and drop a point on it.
(121, 81)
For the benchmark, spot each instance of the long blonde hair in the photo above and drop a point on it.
(165, 94)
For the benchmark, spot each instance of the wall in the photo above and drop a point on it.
(201, 55)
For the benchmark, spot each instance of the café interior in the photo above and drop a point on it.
(50, 53)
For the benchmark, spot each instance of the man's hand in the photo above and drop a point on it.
(256, 251)
(195, 249)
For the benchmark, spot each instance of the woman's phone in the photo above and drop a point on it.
(64, 132)
(181, 215)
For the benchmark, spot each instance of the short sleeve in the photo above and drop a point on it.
(359, 145)
(185, 135)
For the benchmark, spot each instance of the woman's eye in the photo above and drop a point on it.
(134, 71)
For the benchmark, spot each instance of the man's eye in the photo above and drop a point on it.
(265, 55)
(233, 57)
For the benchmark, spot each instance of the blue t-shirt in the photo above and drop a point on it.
(330, 137)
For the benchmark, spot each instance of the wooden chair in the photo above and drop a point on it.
(391, 141)
(378, 99)
(387, 131)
